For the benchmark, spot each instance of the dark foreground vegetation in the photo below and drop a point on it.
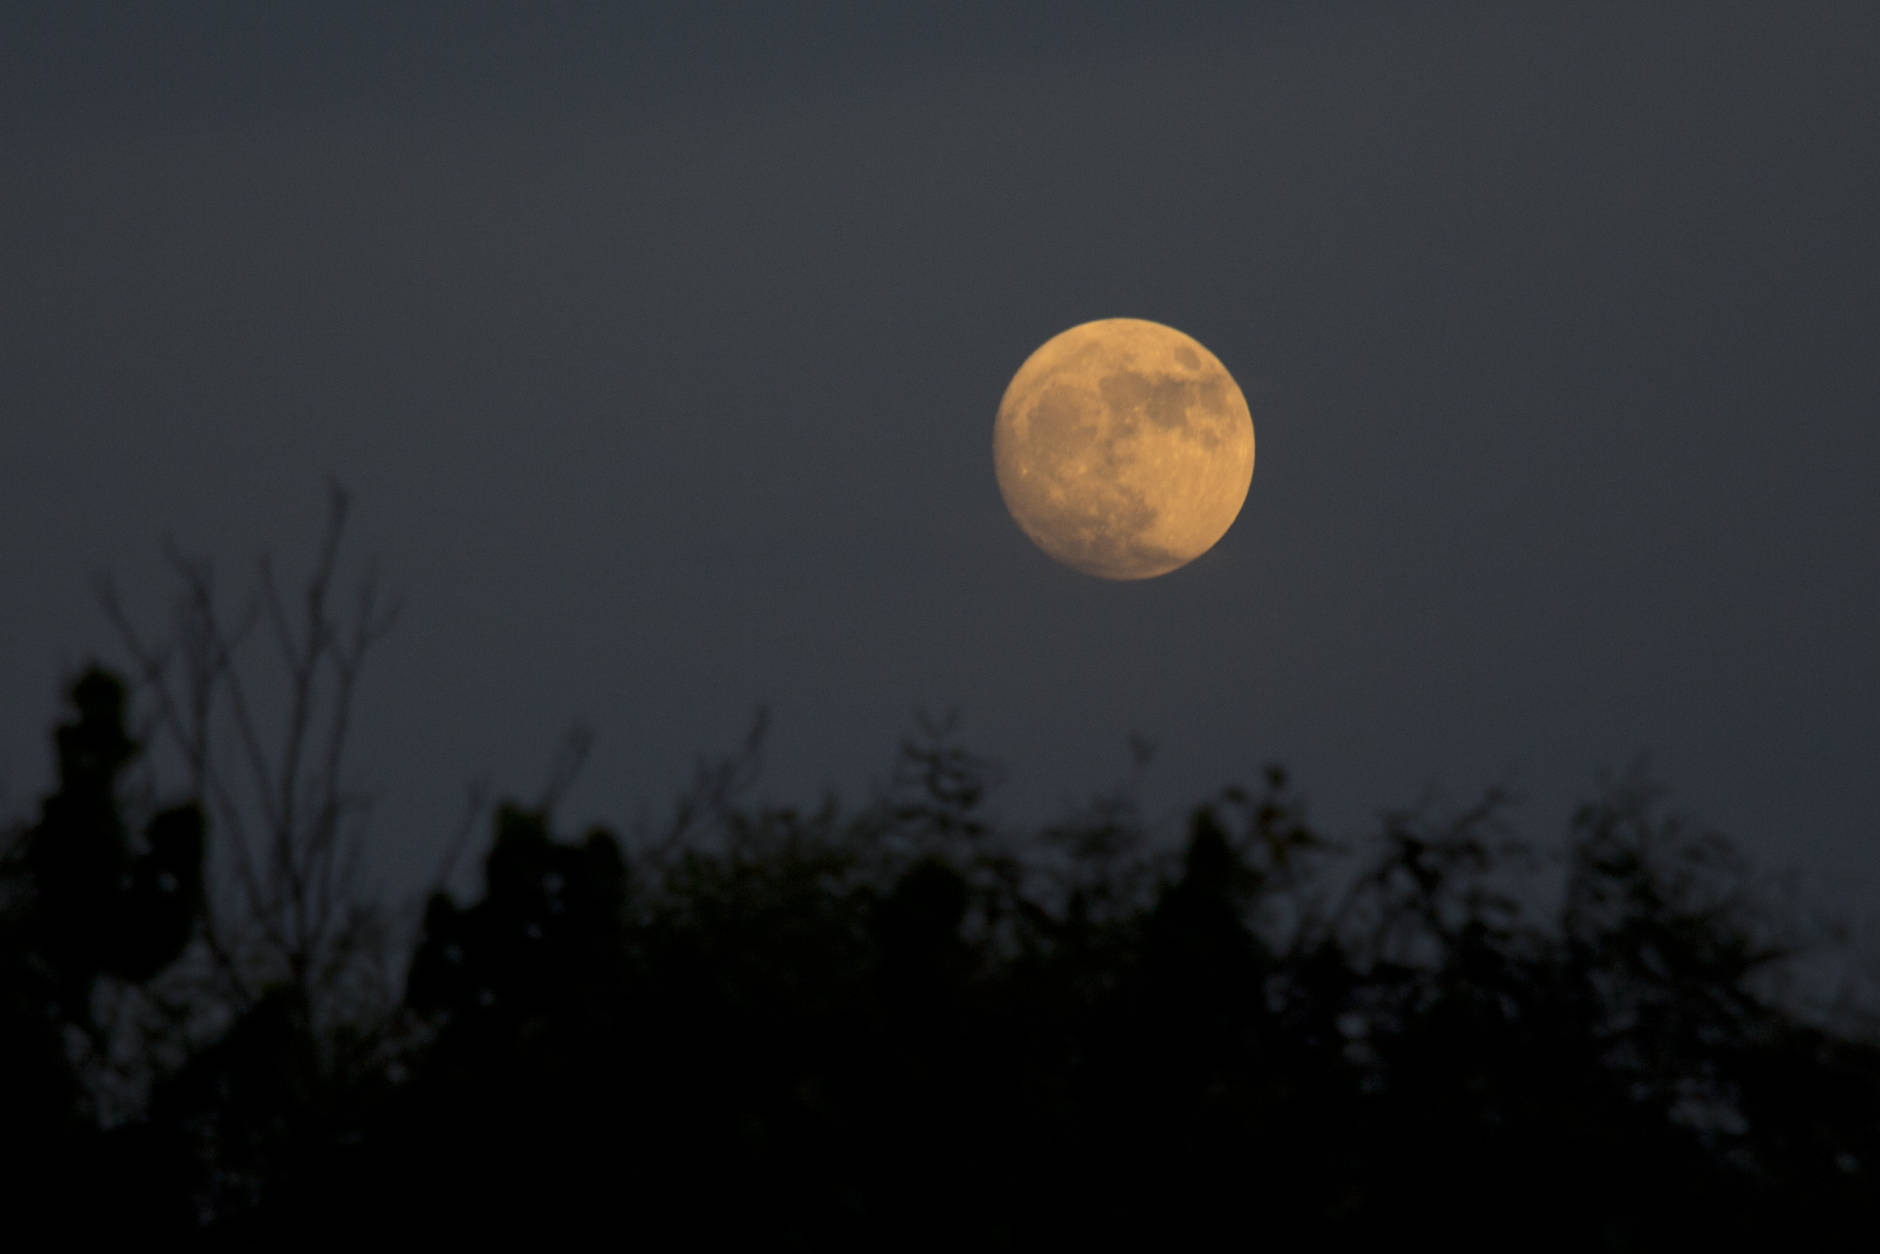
(817, 1028)
(902, 1025)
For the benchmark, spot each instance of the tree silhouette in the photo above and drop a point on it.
(222, 1000)
(263, 746)
(87, 904)
(909, 1023)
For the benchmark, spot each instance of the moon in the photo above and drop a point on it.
(1123, 448)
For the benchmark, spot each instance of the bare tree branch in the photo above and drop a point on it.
(266, 753)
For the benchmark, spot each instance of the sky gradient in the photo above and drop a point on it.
(661, 355)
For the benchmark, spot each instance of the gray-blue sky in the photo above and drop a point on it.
(661, 355)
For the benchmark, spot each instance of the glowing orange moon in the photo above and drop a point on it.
(1123, 448)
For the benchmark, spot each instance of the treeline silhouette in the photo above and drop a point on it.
(902, 1024)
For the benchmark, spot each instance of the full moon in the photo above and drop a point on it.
(1123, 448)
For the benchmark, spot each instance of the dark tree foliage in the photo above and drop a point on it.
(905, 1025)
(85, 900)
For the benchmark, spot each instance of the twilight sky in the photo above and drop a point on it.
(661, 356)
